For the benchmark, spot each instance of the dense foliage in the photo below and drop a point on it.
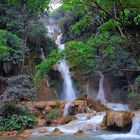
(100, 35)
(10, 48)
(16, 118)
(22, 32)
(109, 23)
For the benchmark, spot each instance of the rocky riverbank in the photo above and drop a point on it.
(50, 113)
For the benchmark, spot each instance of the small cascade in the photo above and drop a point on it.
(117, 106)
(42, 56)
(53, 28)
(135, 130)
(101, 95)
(66, 108)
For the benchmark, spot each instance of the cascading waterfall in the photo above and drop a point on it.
(84, 122)
(68, 92)
(101, 95)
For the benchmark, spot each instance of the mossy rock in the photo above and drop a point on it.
(56, 131)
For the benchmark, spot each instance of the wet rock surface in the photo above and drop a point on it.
(117, 120)
(25, 133)
(96, 105)
(79, 133)
(56, 131)
(42, 130)
(50, 113)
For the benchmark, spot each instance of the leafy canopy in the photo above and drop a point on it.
(32, 5)
(10, 47)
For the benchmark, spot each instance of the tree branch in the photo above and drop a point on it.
(115, 68)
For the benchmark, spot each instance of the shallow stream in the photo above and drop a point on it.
(90, 135)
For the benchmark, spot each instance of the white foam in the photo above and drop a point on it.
(119, 136)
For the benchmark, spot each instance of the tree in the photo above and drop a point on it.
(107, 29)
(27, 8)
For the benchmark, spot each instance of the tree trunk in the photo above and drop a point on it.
(25, 28)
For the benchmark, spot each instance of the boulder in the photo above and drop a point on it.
(42, 130)
(53, 103)
(56, 131)
(48, 109)
(79, 133)
(78, 106)
(95, 105)
(79, 102)
(117, 120)
(63, 120)
(40, 105)
(25, 133)
(41, 122)
(9, 133)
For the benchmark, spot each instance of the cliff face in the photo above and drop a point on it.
(18, 88)
(44, 92)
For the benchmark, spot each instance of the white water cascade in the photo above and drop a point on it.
(135, 130)
(134, 133)
(101, 94)
(42, 56)
(68, 92)
(102, 99)
(84, 121)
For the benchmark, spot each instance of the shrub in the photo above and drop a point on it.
(10, 47)
(53, 114)
(16, 118)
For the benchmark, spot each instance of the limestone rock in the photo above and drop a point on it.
(79, 133)
(99, 107)
(40, 105)
(65, 120)
(9, 133)
(53, 103)
(79, 102)
(41, 122)
(117, 120)
(56, 131)
(48, 109)
(42, 130)
(26, 133)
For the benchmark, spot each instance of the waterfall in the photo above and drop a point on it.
(42, 56)
(135, 130)
(101, 95)
(68, 92)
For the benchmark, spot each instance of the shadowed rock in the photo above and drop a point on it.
(18, 88)
(97, 106)
(117, 120)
